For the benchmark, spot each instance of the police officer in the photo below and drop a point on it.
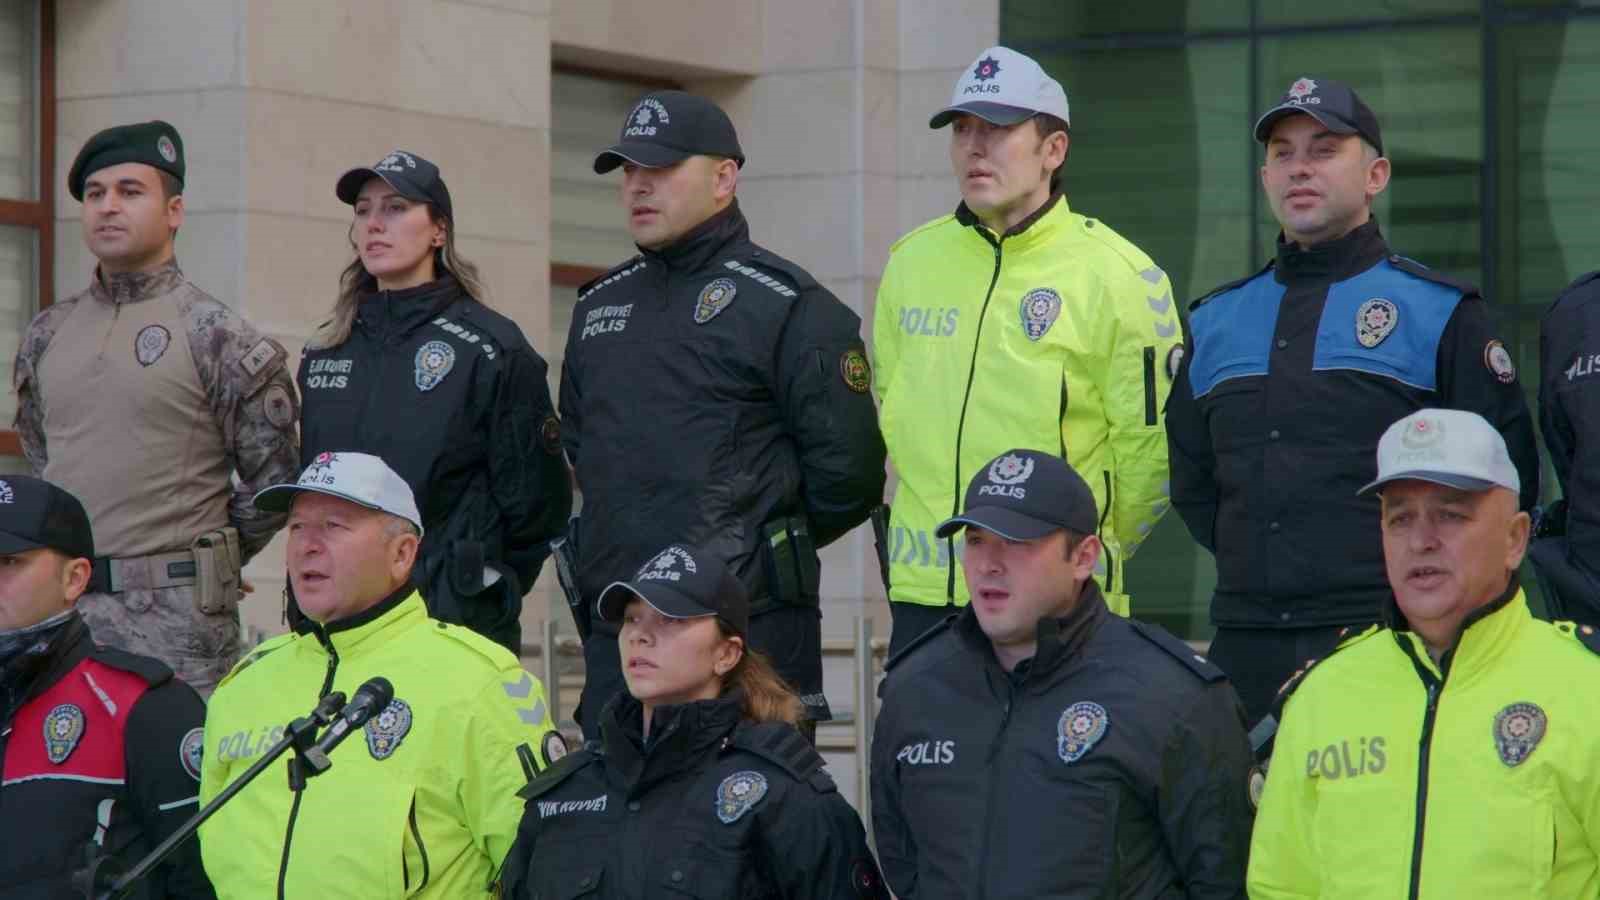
(423, 802)
(712, 392)
(1567, 549)
(145, 396)
(1037, 745)
(1451, 752)
(700, 784)
(1016, 321)
(1289, 376)
(99, 748)
(412, 366)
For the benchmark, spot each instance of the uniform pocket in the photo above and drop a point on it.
(566, 882)
(702, 878)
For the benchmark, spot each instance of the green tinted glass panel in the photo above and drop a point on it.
(1031, 23)
(1301, 12)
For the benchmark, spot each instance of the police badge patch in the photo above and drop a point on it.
(1174, 361)
(63, 729)
(434, 361)
(150, 343)
(1375, 319)
(855, 371)
(387, 729)
(554, 747)
(1257, 785)
(190, 750)
(1039, 310)
(278, 405)
(1498, 359)
(1082, 726)
(714, 298)
(738, 793)
(1518, 729)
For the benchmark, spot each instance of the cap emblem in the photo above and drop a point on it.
(1422, 434)
(321, 469)
(649, 110)
(164, 146)
(738, 793)
(63, 729)
(1302, 88)
(1040, 307)
(1498, 359)
(387, 729)
(987, 68)
(1375, 319)
(668, 565)
(714, 298)
(397, 161)
(6, 494)
(1518, 729)
(1010, 469)
(434, 361)
(1082, 726)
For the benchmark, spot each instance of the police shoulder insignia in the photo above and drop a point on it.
(554, 747)
(714, 298)
(190, 751)
(738, 793)
(278, 405)
(1375, 319)
(1082, 726)
(434, 361)
(856, 371)
(387, 729)
(63, 729)
(1174, 361)
(1040, 307)
(1517, 731)
(1498, 360)
(150, 343)
(1257, 784)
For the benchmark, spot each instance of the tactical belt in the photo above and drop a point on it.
(161, 570)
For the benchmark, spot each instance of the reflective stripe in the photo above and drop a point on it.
(177, 803)
(61, 777)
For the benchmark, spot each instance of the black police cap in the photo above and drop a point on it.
(36, 514)
(1333, 103)
(1023, 495)
(408, 174)
(667, 127)
(681, 582)
(155, 143)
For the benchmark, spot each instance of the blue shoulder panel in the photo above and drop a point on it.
(1232, 333)
(1409, 353)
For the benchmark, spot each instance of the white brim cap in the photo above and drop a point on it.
(1004, 87)
(361, 478)
(1451, 447)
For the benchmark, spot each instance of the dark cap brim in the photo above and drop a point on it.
(1448, 479)
(350, 184)
(994, 113)
(670, 603)
(14, 543)
(651, 156)
(1284, 110)
(1008, 523)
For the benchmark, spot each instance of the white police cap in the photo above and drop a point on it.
(1004, 87)
(1451, 447)
(361, 478)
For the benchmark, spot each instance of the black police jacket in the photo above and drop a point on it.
(1288, 379)
(1114, 763)
(708, 389)
(1569, 416)
(710, 806)
(450, 394)
(104, 747)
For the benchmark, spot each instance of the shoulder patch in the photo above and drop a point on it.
(558, 772)
(612, 276)
(1182, 652)
(785, 747)
(919, 641)
(1412, 267)
(1240, 282)
(152, 670)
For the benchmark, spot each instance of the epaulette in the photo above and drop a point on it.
(1587, 635)
(558, 772)
(925, 226)
(923, 638)
(1412, 267)
(153, 671)
(1239, 282)
(262, 649)
(785, 747)
(1571, 291)
(613, 274)
(492, 652)
(777, 274)
(1182, 652)
(1262, 735)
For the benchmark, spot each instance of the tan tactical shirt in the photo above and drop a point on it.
(142, 396)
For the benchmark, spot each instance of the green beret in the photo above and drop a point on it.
(152, 143)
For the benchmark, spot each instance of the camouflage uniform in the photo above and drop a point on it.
(148, 429)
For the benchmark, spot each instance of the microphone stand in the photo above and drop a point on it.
(103, 878)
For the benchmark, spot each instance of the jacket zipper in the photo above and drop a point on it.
(1425, 748)
(375, 386)
(1111, 569)
(416, 835)
(294, 808)
(961, 423)
(1149, 385)
(988, 802)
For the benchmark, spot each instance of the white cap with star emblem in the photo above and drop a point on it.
(1451, 447)
(1004, 87)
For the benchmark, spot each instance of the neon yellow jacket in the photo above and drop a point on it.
(1053, 337)
(422, 803)
(1349, 793)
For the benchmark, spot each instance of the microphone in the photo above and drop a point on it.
(369, 700)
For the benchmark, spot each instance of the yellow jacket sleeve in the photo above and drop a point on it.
(1135, 391)
(1283, 863)
(506, 714)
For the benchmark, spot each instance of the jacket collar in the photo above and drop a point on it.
(1037, 228)
(1485, 633)
(1059, 640)
(132, 287)
(35, 672)
(398, 313)
(1332, 260)
(369, 627)
(680, 736)
(704, 242)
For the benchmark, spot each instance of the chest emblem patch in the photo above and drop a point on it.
(1518, 729)
(190, 749)
(738, 793)
(434, 361)
(855, 371)
(63, 729)
(150, 343)
(714, 298)
(1375, 320)
(1040, 307)
(1082, 726)
(387, 729)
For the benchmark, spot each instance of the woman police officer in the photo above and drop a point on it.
(414, 368)
(700, 785)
